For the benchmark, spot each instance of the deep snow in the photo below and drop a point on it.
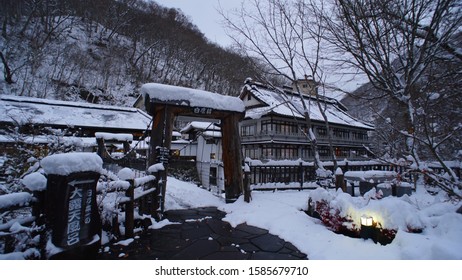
(281, 214)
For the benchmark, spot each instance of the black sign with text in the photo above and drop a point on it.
(72, 210)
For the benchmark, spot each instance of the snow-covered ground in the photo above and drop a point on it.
(281, 214)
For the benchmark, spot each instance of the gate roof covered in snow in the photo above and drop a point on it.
(55, 113)
(188, 97)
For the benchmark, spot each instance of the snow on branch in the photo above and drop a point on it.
(15, 199)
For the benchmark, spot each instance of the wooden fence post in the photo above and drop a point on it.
(301, 173)
(247, 192)
(129, 210)
(339, 179)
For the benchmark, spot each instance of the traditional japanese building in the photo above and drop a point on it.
(274, 127)
(205, 140)
(37, 119)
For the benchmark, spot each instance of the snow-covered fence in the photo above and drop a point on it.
(121, 197)
(281, 176)
(59, 213)
(300, 174)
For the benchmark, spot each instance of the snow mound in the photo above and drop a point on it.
(65, 164)
(126, 174)
(35, 182)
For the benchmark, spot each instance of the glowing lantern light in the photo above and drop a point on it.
(368, 229)
(367, 220)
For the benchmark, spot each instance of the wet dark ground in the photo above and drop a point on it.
(202, 235)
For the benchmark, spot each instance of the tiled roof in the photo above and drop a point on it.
(289, 104)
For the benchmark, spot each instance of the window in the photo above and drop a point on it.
(251, 152)
(341, 152)
(280, 152)
(279, 127)
(341, 133)
(266, 127)
(359, 135)
(248, 130)
(307, 153)
(322, 131)
(323, 151)
(211, 141)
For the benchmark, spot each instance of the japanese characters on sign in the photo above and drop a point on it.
(202, 111)
(163, 154)
(73, 220)
(79, 212)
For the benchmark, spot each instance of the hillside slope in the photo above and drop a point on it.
(103, 53)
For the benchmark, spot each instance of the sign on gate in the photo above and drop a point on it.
(163, 155)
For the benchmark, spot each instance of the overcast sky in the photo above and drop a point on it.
(204, 14)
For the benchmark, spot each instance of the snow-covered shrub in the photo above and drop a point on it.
(20, 232)
(28, 150)
(341, 212)
(334, 221)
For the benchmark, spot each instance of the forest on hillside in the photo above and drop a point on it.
(102, 51)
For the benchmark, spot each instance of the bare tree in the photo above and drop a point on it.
(6, 70)
(285, 35)
(397, 44)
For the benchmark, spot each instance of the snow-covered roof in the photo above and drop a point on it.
(176, 134)
(196, 125)
(45, 139)
(289, 104)
(72, 114)
(215, 134)
(122, 137)
(191, 97)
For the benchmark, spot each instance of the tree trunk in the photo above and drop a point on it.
(7, 72)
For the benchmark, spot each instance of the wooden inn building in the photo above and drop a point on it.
(274, 125)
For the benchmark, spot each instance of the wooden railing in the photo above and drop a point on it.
(298, 175)
(25, 209)
(130, 194)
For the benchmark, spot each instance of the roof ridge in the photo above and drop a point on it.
(36, 100)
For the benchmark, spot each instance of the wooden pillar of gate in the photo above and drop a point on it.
(232, 158)
(161, 136)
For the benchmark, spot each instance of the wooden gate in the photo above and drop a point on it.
(164, 103)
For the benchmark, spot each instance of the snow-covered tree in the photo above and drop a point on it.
(400, 45)
(287, 36)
